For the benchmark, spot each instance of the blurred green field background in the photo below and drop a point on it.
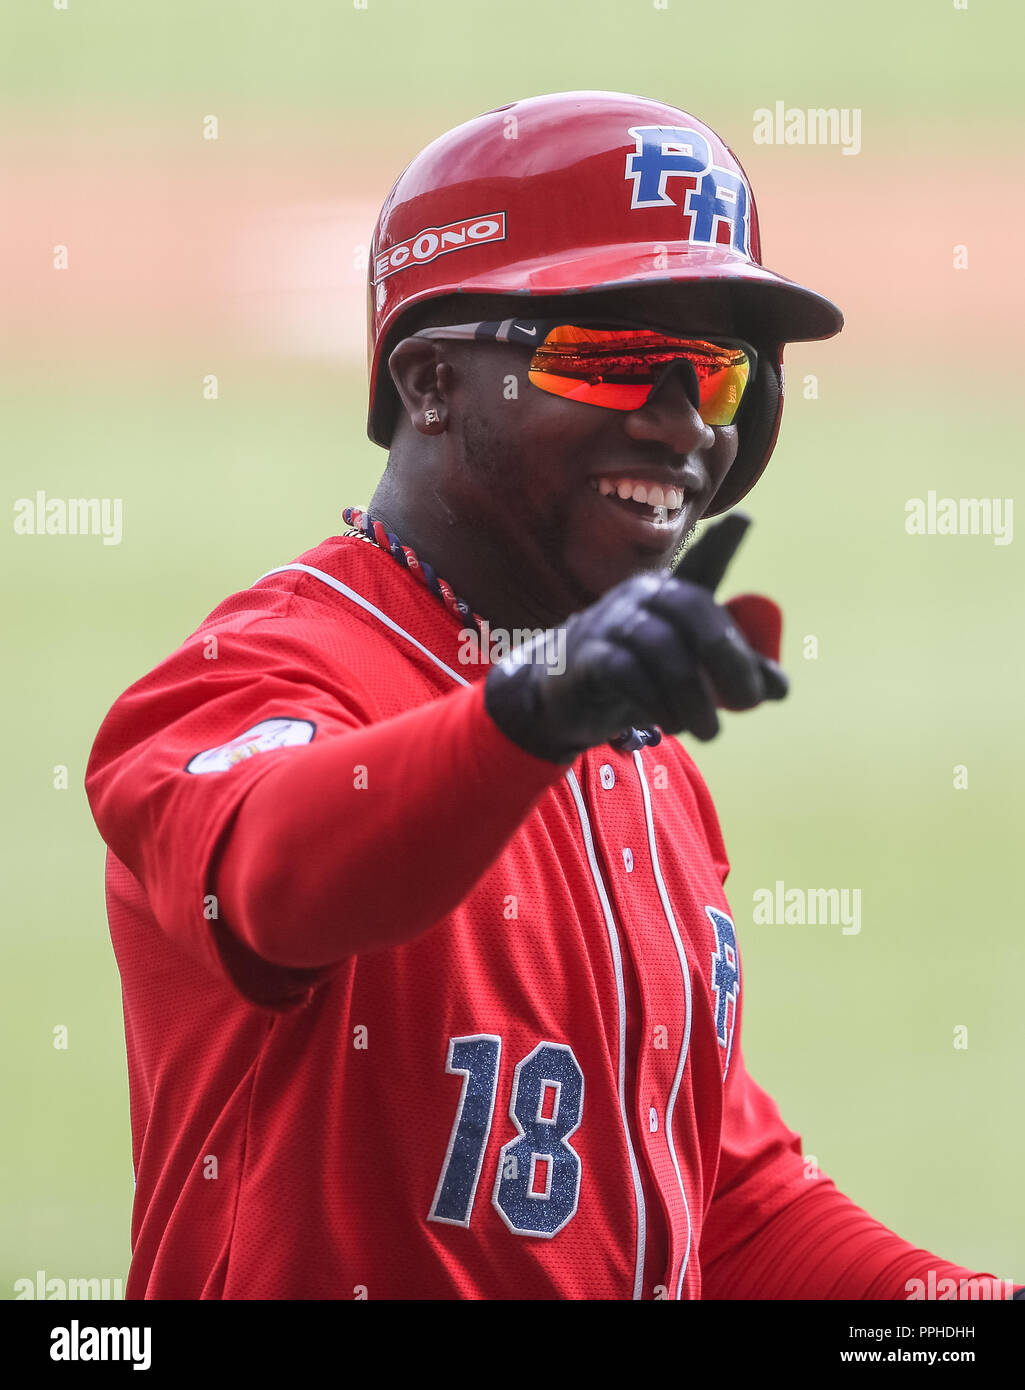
(847, 784)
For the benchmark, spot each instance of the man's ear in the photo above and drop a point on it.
(420, 380)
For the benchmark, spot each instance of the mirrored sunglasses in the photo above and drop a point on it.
(619, 366)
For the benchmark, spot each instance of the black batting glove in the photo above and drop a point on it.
(656, 649)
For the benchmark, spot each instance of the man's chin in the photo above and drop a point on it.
(682, 548)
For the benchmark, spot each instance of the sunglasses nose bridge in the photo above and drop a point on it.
(689, 376)
(667, 423)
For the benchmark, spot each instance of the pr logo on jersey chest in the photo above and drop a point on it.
(725, 980)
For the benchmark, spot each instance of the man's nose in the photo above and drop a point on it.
(670, 414)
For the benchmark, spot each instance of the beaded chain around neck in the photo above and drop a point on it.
(363, 524)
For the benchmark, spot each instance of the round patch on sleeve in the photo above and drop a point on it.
(270, 733)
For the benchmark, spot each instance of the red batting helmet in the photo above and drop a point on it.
(580, 192)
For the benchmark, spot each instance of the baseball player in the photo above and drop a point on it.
(431, 985)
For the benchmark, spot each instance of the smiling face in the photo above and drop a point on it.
(564, 492)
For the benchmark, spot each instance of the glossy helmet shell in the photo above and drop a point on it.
(582, 193)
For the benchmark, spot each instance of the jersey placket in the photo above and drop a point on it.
(659, 1031)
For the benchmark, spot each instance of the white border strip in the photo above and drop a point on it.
(617, 960)
(685, 971)
(365, 604)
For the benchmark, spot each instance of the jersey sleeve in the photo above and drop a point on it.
(182, 753)
(777, 1228)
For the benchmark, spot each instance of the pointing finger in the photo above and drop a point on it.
(709, 558)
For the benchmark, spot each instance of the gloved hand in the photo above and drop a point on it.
(656, 649)
(759, 619)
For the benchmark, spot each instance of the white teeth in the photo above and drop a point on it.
(654, 495)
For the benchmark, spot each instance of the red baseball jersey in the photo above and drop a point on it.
(520, 1075)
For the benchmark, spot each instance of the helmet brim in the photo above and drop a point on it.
(767, 306)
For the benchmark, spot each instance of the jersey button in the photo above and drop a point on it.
(608, 777)
(628, 860)
(653, 1120)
